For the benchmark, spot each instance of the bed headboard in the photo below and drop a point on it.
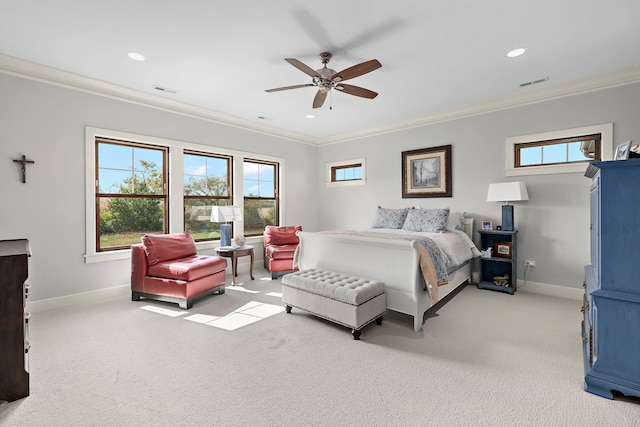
(468, 227)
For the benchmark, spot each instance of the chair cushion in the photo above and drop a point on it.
(274, 235)
(189, 268)
(165, 247)
(281, 251)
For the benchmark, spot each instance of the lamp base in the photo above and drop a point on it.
(225, 234)
(507, 217)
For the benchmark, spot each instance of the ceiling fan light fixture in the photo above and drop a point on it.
(516, 52)
(326, 79)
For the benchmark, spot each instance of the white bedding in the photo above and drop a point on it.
(456, 246)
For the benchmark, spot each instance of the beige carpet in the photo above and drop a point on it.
(484, 359)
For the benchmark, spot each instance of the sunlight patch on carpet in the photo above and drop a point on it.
(247, 314)
(202, 318)
(275, 294)
(240, 289)
(164, 311)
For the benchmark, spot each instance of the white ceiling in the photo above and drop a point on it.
(436, 55)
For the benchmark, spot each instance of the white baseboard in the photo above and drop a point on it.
(551, 290)
(67, 301)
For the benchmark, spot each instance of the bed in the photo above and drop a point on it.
(394, 254)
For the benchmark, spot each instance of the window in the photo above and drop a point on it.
(558, 151)
(138, 184)
(207, 183)
(563, 151)
(346, 172)
(260, 196)
(131, 192)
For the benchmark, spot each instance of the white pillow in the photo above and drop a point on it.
(455, 221)
(389, 218)
(426, 220)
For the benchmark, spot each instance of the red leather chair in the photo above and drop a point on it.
(166, 267)
(280, 244)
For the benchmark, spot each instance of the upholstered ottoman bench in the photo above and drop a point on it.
(347, 300)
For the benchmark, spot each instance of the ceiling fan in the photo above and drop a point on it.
(326, 78)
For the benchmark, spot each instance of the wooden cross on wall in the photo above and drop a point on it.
(23, 163)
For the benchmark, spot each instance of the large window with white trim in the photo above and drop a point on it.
(138, 184)
(131, 192)
(260, 196)
(207, 183)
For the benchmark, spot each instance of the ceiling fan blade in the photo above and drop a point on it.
(288, 87)
(302, 67)
(357, 91)
(319, 99)
(357, 70)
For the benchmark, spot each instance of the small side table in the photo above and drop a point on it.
(234, 254)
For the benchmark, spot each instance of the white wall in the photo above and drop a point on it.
(47, 124)
(553, 225)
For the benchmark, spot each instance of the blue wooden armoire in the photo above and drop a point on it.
(611, 325)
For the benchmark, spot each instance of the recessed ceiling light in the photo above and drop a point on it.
(136, 56)
(310, 116)
(516, 52)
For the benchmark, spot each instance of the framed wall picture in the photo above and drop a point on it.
(487, 225)
(427, 172)
(503, 249)
(622, 151)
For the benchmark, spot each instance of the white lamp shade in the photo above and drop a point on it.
(507, 192)
(225, 213)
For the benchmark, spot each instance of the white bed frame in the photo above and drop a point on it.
(393, 262)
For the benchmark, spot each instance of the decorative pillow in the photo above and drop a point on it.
(165, 247)
(455, 221)
(281, 235)
(426, 220)
(389, 218)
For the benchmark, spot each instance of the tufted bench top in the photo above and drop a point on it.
(341, 287)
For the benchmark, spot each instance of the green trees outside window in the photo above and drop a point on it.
(260, 196)
(207, 183)
(131, 194)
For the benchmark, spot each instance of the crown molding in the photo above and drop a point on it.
(605, 81)
(42, 73)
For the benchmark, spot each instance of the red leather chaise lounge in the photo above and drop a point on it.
(166, 267)
(280, 244)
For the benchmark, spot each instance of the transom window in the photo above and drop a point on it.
(558, 151)
(346, 173)
(260, 196)
(207, 183)
(131, 192)
(576, 148)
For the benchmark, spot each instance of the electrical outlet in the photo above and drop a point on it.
(530, 263)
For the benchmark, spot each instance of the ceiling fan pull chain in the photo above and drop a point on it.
(330, 100)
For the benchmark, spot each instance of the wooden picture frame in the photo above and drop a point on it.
(487, 225)
(503, 249)
(427, 172)
(622, 151)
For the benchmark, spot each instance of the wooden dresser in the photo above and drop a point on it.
(14, 319)
(611, 325)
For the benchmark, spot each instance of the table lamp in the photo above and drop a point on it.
(507, 192)
(225, 214)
